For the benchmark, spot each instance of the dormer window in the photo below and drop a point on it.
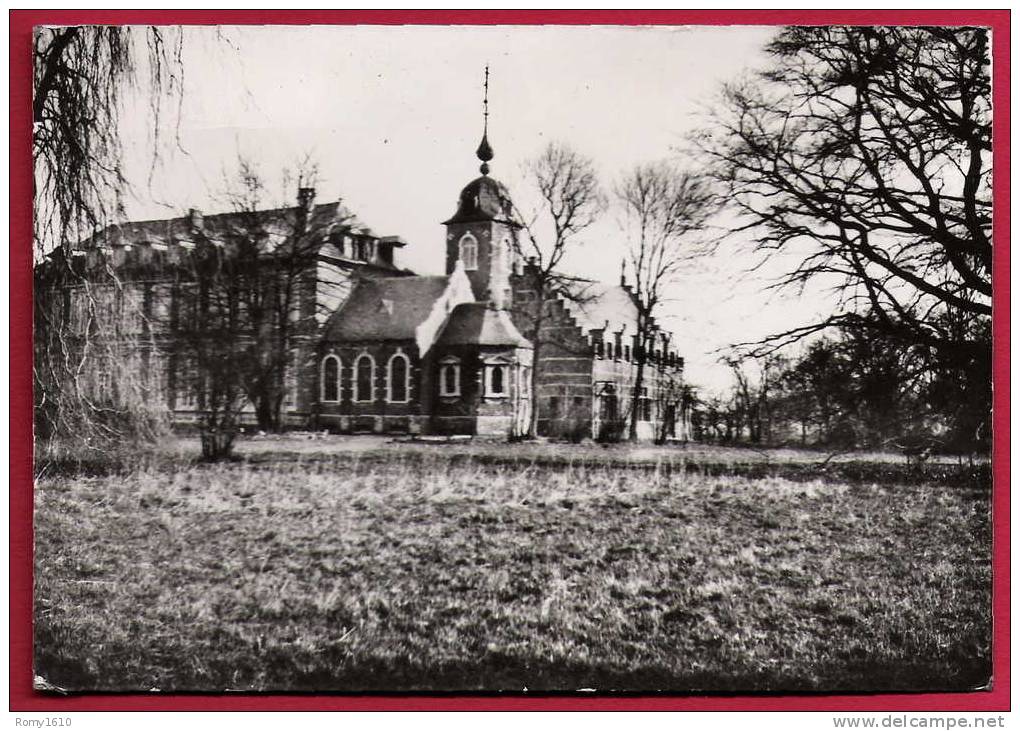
(469, 252)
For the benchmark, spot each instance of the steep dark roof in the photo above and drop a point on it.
(279, 221)
(483, 199)
(389, 308)
(476, 323)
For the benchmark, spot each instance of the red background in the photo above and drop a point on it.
(24, 698)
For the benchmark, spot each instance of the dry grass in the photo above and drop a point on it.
(415, 570)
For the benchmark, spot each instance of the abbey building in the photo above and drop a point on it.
(367, 346)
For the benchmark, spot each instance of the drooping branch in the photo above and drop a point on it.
(81, 75)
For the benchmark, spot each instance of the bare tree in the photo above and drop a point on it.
(756, 381)
(252, 285)
(662, 208)
(571, 201)
(87, 326)
(866, 152)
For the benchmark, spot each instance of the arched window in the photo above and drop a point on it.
(469, 252)
(364, 378)
(329, 386)
(498, 377)
(398, 379)
(495, 380)
(449, 377)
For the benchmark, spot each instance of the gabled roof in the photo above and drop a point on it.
(389, 308)
(477, 323)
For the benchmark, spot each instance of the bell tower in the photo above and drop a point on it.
(482, 234)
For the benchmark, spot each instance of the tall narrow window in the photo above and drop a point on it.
(495, 381)
(449, 377)
(398, 379)
(330, 385)
(469, 252)
(364, 377)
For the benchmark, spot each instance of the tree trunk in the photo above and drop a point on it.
(537, 319)
(217, 444)
(638, 383)
(533, 418)
(264, 412)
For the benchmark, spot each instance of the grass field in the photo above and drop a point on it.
(357, 565)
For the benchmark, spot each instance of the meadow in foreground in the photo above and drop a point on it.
(419, 572)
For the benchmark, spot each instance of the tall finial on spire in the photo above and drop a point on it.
(485, 101)
(484, 151)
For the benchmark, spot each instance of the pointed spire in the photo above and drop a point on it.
(623, 272)
(484, 151)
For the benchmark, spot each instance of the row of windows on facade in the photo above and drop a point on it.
(189, 395)
(618, 351)
(399, 379)
(187, 390)
(131, 309)
(608, 407)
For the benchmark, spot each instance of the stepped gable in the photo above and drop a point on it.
(603, 303)
(477, 323)
(387, 308)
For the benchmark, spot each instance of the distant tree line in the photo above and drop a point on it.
(852, 390)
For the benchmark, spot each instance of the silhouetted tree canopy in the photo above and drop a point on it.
(866, 152)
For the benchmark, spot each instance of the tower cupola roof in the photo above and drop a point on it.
(484, 199)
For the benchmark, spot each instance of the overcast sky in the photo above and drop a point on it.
(392, 116)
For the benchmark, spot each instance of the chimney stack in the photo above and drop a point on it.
(195, 218)
(305, 198)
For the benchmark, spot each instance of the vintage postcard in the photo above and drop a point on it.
(513, 358)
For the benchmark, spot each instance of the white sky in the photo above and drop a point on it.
(392, 116)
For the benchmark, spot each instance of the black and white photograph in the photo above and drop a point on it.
(580, 359)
